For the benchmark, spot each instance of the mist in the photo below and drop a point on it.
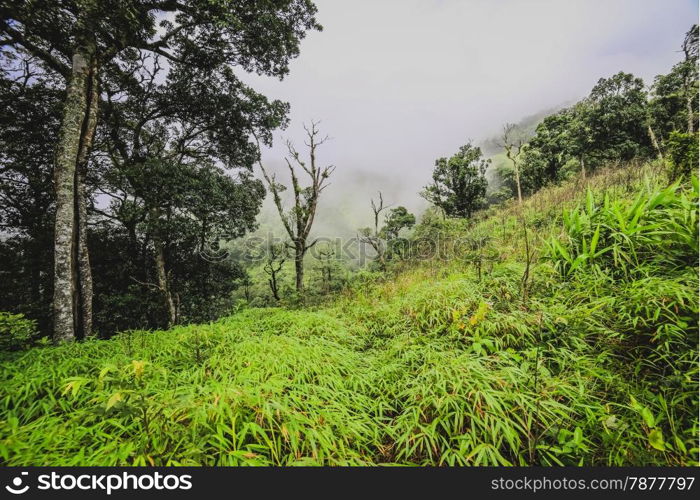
(399, 83)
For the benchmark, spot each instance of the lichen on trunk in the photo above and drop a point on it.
(82, 252)
(161, 271)
(75, 113)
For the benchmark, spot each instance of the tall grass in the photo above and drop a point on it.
(446, 363)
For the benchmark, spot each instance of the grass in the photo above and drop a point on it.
(591, 360)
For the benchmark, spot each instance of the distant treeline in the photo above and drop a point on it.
(620, 120)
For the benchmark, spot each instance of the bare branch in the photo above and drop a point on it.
(49, 59)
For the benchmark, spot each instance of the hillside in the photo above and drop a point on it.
(564, 334)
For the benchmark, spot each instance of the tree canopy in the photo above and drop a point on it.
(459, 183)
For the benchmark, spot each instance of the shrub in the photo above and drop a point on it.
(683, 153)
(16, 331)
(623, 240)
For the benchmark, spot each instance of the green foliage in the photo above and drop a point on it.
(683, 153)
(674, 97)
(547, 152)
(615, 117)
(431, 367)
(172, 155)
(29, 115)
(623, 239)
(398, 218)
(16, 331)
(609, 125)
(459, 184)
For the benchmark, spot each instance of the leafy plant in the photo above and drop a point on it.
(16, 331)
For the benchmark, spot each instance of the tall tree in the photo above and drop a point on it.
(615, 118)
(547, 152)
(690, 75)
(82, 40)
(459, 183)
(397, 219)
(582, 142)
(674, 96)
(299, 220)
(161, 142)
(512, 142)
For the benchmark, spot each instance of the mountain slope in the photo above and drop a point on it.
(469, 356)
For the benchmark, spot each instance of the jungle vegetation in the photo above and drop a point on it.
(548, 317)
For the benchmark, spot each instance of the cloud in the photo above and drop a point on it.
(399, 83)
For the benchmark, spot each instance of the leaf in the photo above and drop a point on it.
(114, 399)
(138, 367)
(635, 404)
(106, 370)
(476, 346)
(648, 417)
(594, 240)
(564, 253)
(73, 386)
(680, 445)
(656, 439)
(590, 202)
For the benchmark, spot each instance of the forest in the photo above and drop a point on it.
(541, 310)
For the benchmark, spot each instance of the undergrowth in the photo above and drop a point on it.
(580, 351)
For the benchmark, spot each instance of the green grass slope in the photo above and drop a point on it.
(460, 359)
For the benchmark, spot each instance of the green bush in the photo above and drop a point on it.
(622, 239)
(683, 153)
(16, 331)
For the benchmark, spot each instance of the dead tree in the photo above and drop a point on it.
(371, 236)
(512, 143)
(654, 141)
(276, 257)
(299, 220)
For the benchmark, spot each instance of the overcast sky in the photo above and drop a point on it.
(398, 83)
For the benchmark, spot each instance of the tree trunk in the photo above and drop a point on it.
(273, 286)
(382, 260)
(299, 268)
(517, 182)
(163, 284)
(68, 148)
(83, 256)
(655, 142)
(689, 107)
(583, 167)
